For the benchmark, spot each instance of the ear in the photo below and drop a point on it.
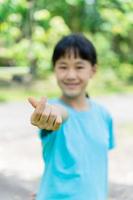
(93, 70)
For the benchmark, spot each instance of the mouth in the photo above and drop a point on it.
(71, 85)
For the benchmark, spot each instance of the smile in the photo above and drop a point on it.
(71, 85)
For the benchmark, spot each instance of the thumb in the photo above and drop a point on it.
(33, 102)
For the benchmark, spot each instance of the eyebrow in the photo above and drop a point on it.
(64, 63)
(79, 62)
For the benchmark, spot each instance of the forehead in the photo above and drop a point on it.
(71, 55)
(71, 52)
(70, 60)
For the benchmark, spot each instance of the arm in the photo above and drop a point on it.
(63, 111)
(46, 116)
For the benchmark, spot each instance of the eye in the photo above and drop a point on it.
(62, 67)
(80, 67)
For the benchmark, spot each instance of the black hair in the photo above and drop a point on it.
(78, 43)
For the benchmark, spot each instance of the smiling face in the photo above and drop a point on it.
(72, 74)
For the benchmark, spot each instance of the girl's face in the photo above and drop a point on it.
(72, 74)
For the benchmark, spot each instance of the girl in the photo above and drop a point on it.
(76, 132)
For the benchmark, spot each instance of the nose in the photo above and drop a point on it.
(71, 74)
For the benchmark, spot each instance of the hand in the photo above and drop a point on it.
(45, 116)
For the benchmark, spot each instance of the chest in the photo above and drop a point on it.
(87, 132)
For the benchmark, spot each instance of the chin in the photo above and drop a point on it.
(71, 95)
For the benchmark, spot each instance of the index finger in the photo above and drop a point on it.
(33, 102)
(39, 109)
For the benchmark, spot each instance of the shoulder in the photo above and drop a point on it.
(102, 110)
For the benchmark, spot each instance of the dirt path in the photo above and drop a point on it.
(20, 150)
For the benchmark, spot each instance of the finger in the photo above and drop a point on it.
(52, 118)
(57, 123)
(39, 110)
(45, 116)
(33, 102)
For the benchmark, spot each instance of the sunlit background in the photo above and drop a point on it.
(29, 29)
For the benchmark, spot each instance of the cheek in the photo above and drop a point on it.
(85, 76)
(88, 74)
(59, 75)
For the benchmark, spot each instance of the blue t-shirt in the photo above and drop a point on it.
(76, 155)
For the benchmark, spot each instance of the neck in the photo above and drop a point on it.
(78, 103)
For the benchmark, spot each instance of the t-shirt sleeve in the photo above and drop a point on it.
(47, 141)
(44, 133)
(110, 127)
(111, 133)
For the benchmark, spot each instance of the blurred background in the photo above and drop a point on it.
(29, 29)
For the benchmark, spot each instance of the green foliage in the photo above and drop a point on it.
(30, 29)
